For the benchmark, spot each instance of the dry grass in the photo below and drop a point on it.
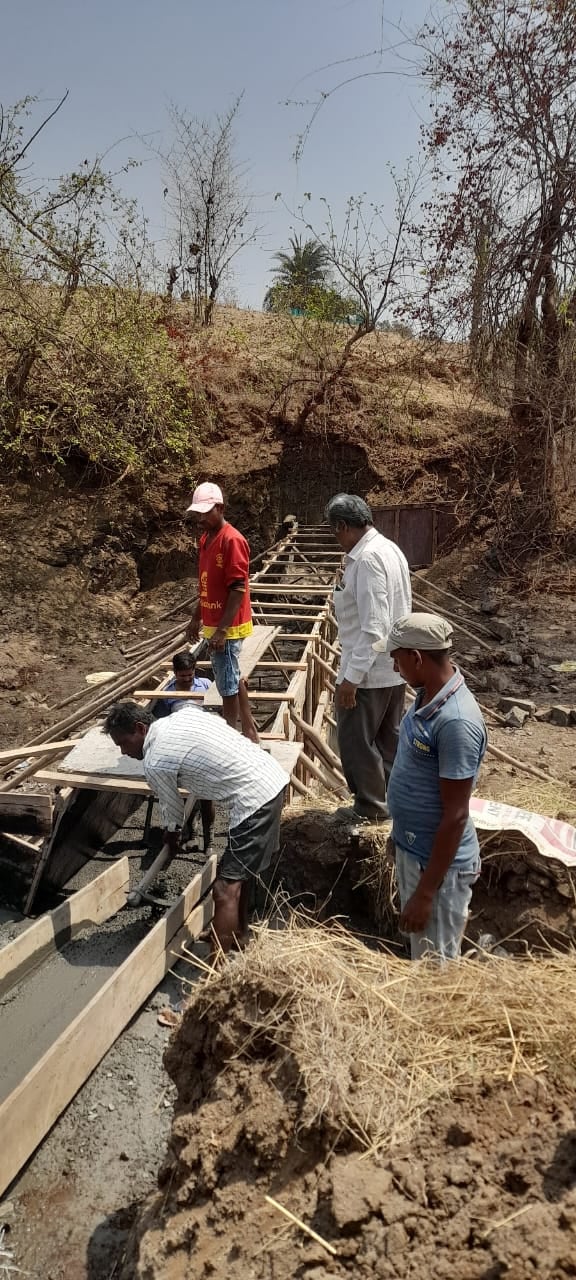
(376, 1040)
(553, 799)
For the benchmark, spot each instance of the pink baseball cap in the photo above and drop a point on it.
(205, 497)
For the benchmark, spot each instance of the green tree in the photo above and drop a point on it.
(304, 268)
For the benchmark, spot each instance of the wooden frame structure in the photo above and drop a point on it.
(289, 660)
(29, 1111)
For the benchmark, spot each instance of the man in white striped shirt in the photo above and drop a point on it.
(202, 755)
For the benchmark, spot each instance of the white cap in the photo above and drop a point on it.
(422, 631)
(205, 497)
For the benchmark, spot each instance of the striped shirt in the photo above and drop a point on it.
(201, 754)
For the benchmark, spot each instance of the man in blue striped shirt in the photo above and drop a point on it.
(440, 750)
(200, 754)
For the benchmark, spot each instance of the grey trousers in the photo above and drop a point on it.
(367, 739)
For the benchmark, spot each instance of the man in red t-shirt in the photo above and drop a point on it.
(223, 610)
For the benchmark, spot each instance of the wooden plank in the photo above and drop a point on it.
(256, 695)
(27, 812)
(94, 903)
(22, 753)
(279, 665)
(29, 1112)
(289, 589)
(286, 754)
(95, 781)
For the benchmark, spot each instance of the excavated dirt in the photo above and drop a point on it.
(486, 1190)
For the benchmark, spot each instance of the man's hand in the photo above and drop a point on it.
(193, 630)
(173, 840)
(346, 695)
(218, 640)
(417, 911)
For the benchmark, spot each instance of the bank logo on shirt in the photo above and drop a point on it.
(204, 584)
(411, 837)
(220, 561)
(421, 746)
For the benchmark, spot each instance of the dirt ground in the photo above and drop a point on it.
(485, 1190)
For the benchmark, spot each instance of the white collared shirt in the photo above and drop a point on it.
(374, 593)
(202, 755)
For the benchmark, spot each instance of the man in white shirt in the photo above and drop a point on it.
(202, 755)
(374, 592)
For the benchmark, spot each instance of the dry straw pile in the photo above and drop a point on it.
(375, 1040)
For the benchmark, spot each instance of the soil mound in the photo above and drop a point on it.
(419, 1121)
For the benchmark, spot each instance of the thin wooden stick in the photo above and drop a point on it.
(327, 779)
(309, 1231)
(519, 764)
(472, 635)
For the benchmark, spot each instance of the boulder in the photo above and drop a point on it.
(560, 715)
(519, 704)
(516, 717)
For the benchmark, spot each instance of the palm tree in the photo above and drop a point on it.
(305, 267)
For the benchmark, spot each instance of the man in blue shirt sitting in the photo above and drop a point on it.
(184, 680)
(441, 746)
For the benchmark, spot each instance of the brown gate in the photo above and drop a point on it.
(420, 531)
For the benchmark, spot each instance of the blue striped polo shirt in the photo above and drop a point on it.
(445, 738)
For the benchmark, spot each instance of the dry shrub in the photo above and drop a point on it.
(376, 1041)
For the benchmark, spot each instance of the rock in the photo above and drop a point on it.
(499, 681)
(560, 715)
(532, 660)
(516, 717)
(573, 716)
(543, 715)
(514, 658)
(503, 630)
(518, 704)
(490, 604)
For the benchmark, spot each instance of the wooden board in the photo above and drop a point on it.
(95, 781)
(27, 812)
(96, 902)
(286, 754)
(85, 820)
(29, 1112)
(22, 753)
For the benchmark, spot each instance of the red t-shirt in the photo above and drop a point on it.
(223, 560)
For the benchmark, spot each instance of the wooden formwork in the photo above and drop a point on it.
(289, 661)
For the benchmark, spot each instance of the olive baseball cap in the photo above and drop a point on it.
(422, 631)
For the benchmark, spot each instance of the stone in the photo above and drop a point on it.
(503, 630)
(573, 716)
(514, 658)
(543, 715)
(490, 604)
(499, 681)
(560, 715)
(516, 717)
(518, 704)
(532, 660)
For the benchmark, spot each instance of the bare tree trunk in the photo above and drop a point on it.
(319, 395)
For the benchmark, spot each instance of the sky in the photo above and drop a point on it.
(125, 61)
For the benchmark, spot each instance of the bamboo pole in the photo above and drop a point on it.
(328, 780)
(322, 749)
(113, 690)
